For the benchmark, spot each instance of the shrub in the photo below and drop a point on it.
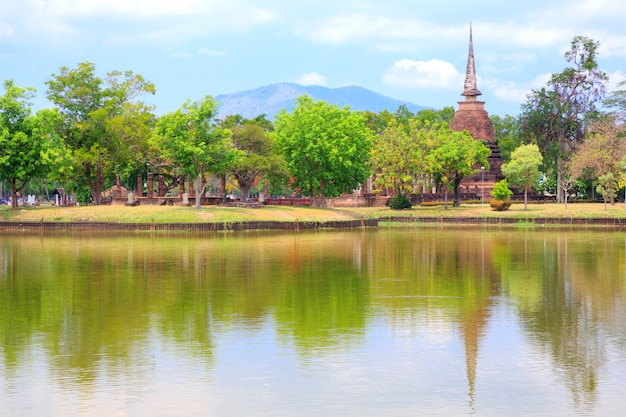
(399, 202)
(501, 191)
(500, 205)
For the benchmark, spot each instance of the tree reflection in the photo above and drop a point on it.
(98, 306)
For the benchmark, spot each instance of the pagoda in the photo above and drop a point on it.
(473, 117)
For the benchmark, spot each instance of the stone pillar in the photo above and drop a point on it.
(140, 185)
(161, 192)
(118, 187)
(150, 185)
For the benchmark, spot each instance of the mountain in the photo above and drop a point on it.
(270, 99)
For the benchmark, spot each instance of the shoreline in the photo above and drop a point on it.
(216, 218)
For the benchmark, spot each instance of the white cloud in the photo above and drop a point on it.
(511, 91)
(313, 78)
(348, 28)
(120, 22)
(615, 78)
(211, 52)
(429, 74)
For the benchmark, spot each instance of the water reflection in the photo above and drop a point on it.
(394, 322)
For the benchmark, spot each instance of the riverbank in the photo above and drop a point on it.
(216, 214)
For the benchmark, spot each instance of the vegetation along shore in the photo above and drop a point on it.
(582, 213)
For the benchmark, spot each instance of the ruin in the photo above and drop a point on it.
(472, 116)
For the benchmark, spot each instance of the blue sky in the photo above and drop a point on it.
(408, 50)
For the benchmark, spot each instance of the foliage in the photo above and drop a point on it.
(259, 157)
(617, 100)
(29, 145)
(326, 148)
(555, 116)
(105, 127)
(601, 152)
(523, 169)
(607, 186)
(453, 156)
(195, 143)
(507, 134)
(399, 202)
(500, 205)
(398, 156)
(501, 191)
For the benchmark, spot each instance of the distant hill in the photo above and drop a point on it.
(270, 99)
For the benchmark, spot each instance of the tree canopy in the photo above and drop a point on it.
(326, 148)
(523, 168)
(555, 116)
(105, 127)
(29, 145)
(192, 139)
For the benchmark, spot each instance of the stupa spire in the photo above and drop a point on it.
(470, 89)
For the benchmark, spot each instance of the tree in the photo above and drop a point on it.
(326, 148)
(29, 145)
(193, 141)
(507, 134)
(607, 185)
(258, 151)
(454, 156)
(555, 116)
(397, 157)
(523, 168)
(106, 128)
(601, 152)
(617, 100)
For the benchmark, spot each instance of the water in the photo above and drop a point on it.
(393, 322)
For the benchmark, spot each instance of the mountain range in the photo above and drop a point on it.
(269, 100)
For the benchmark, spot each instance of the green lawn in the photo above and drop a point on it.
(175, 214)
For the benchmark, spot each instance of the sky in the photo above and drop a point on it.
(414, 51)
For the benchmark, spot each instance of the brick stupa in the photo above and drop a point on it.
(473, 117)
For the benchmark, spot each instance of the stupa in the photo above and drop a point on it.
(473, 117)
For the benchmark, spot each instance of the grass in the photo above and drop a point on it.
(176, 214)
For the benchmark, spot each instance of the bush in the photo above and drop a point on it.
(500, 205)
(399, 202)
(501, 191)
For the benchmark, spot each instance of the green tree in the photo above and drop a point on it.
(397, 157)
(193, 141)
(326, 148)
(258, 151)
(523, 168)
(106, 128)
(454, 156)
(29, 145)
(507, 134)
(617, 100)
(601, 152)
(607, 186)
(555, 116)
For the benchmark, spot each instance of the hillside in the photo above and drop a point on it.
(270, 99)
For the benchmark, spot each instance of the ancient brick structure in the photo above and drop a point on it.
(473, 117)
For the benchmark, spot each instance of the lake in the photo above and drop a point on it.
(395, 321)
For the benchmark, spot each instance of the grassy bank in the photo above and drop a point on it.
(169, 214)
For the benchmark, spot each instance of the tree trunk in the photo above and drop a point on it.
(318, 200)
(525, 198)
(14, 204)
(559, 180)
(457, 184)
(244, 188)
(199, 190)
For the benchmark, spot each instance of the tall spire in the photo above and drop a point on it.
(470, 89)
